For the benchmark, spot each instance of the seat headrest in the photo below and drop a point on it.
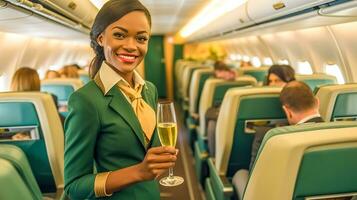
(282, 150)
(337, 101)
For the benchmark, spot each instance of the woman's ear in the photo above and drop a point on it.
(100, 39)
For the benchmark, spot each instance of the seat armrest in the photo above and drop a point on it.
(221, 186)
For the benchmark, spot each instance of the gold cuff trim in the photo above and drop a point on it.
(99, 185)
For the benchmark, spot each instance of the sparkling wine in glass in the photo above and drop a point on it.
(167, 130)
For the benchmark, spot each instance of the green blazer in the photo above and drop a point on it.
(104, 130)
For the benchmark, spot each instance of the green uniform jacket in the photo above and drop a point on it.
(103, 129)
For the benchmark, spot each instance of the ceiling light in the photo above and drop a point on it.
(212, 11)
(98, 3)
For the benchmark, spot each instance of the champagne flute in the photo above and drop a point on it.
(167, 130)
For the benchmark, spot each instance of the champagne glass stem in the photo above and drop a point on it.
(171, 173)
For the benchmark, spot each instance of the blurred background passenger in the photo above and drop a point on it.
(279, 75)
(25, 79)
(221, 70)
(69, 71)
(50, 74)
(246, 64)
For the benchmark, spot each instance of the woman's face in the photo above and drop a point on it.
(125, 41)
(274, 80)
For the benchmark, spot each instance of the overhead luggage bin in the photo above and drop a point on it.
(231, 21)
(265, 10)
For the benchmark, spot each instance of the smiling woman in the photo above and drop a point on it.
(114, 113)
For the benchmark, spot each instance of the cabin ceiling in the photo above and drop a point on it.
(169, 16)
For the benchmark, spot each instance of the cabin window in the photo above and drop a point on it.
(334, 70)
(267, 61)
(3, 85)
(41, 73)
(283, 62)
(246, 58)
(256, 62)
(235, 57)
(304, 67)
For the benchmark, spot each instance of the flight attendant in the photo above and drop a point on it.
(112, 149)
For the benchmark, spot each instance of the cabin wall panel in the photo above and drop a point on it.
(345, 35)
(322, 48)
(38, 53)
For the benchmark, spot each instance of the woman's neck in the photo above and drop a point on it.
(128, 77)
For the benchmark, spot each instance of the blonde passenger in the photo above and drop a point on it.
(50, 74)
(25, 79)
(69, 71)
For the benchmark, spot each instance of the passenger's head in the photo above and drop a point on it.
(220, 65)
(50, 74)
(25, 79)
(69, 71)
(120, 35)
(298, 101)
(279, 75)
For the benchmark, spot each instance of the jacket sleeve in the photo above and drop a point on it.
(81, 128)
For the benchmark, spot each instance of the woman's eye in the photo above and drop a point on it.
(142, 39)
(119, 35)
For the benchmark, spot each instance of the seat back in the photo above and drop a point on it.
(186, 79)
(84, 76)
(30, 121)
(309, 161)
(233, 141)
(198, 80)
(17, 158)
(62, 88)
(12, 184)
(338, 102)
(213, 92)
(315, 80)
(258, 73)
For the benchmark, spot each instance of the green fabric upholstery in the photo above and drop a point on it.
(219, 186)
(327, 171)
(18, 160)
(12, 185)
(204, 77)
(16, 114)
(84, 78)
(316, 159)
(260, 75)
(345, 106)
(221, 90)
(318, 82)
(61, 91)
(303, 128)
(250, 108)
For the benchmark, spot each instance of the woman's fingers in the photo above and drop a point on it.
(163, 166)
(154, 158)
(161, 150)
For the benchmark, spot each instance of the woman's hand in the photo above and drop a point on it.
(157, 160)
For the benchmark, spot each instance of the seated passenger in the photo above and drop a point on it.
(26, 79)
(69, 71)
(279, 75)
(300, 106)
(221, 70)
(50, 74)
(245, 64)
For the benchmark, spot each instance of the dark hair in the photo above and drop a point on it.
(220, 65)
(297, 96)
(285, 72)
(111, 11)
